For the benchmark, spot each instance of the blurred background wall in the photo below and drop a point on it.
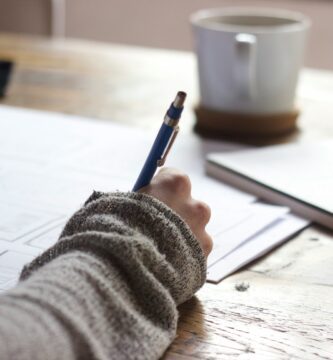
(153, 23)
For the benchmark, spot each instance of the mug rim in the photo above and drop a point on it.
(300, 21)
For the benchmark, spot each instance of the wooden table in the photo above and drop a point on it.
(287, 311)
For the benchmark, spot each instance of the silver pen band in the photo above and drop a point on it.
(170, 122)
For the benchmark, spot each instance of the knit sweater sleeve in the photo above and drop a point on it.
(108, 289)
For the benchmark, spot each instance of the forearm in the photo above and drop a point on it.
(110, 287)
(48, 317)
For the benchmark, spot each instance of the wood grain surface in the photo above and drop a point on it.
(286, 310)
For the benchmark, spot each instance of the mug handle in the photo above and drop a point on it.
(244, 72)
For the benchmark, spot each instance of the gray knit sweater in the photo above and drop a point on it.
(108, 289)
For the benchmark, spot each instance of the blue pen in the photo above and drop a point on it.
(163, 142)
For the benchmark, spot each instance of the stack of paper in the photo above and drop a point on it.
(242, 228)
(50, 163)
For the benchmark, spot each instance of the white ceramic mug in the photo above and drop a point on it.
(249, 58)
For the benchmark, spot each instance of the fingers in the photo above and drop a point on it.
(206, 243)
(174, 181)
(173, 187)
(197, 215)
(200, 211)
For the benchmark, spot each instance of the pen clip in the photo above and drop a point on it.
(170, 143)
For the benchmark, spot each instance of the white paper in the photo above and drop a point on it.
(17, 220)
(259, 217)
(256, 247)
(51, 163)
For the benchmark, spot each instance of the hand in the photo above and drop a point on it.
(174, 189)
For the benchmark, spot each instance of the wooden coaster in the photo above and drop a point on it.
(214, 123)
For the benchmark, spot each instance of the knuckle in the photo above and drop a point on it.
(179, 182)
(202, 211)
(208, 245)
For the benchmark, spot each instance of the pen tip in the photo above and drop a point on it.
(180, 99)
